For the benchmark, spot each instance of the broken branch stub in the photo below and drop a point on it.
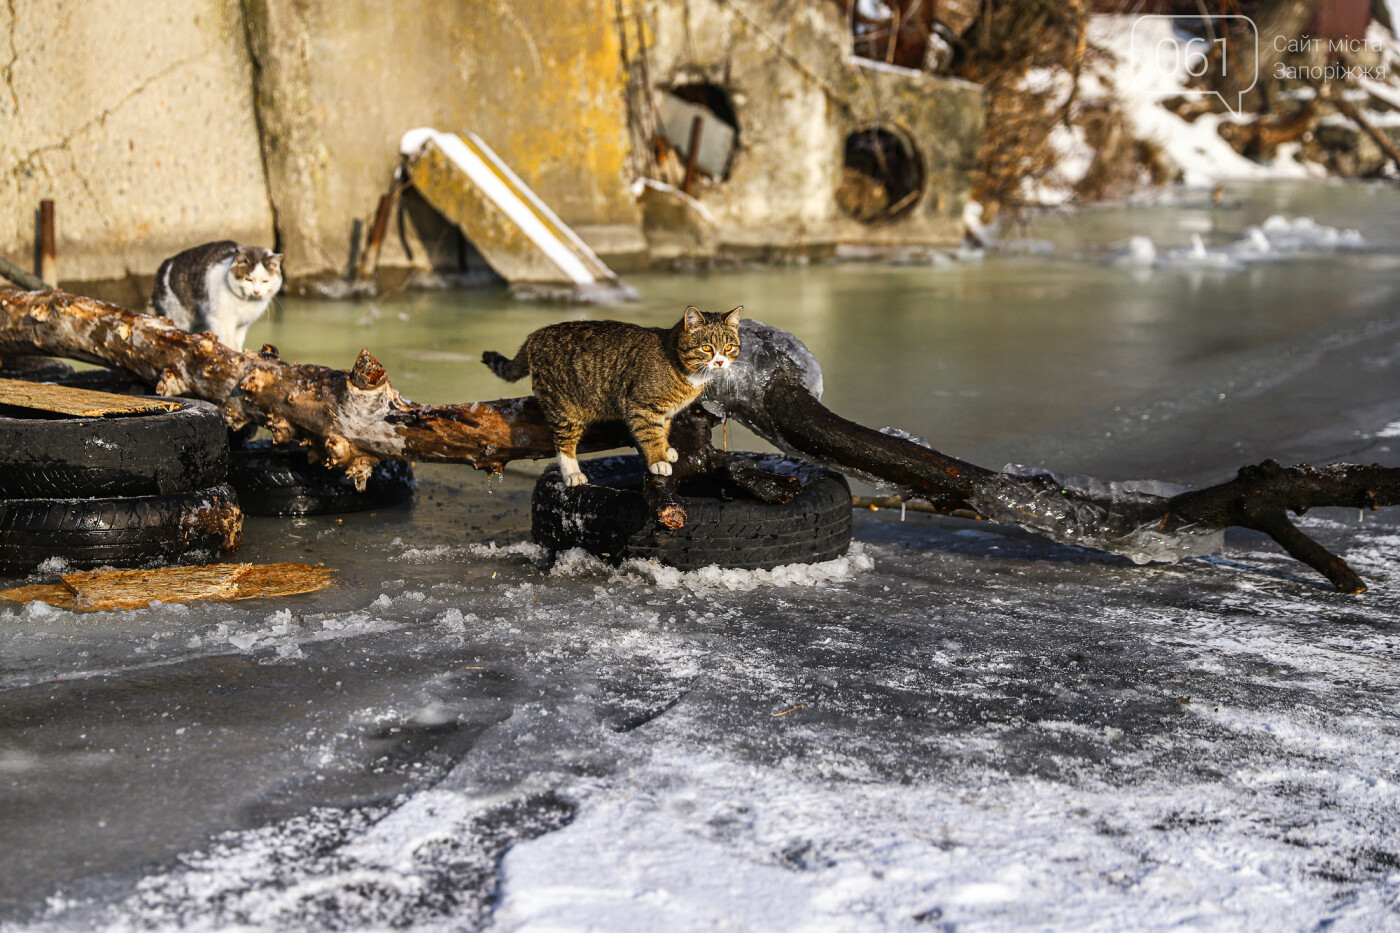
(355, 418)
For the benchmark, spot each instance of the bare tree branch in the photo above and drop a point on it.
(355, 418)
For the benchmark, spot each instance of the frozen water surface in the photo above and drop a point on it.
(956, 726)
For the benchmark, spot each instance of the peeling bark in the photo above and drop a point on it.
(355, 418)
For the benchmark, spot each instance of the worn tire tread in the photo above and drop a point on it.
(152, 453)
(608, 517)
(277, 479)
(115, 531)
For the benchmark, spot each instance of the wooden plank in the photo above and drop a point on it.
(96, 590)
(82, 403)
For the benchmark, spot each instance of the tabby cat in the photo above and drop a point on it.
(218, 288)
(584, 372)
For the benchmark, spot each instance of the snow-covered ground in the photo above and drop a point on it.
(956, 726)
(952, 725)
(1141, 63)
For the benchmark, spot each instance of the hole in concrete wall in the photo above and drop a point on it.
(428, 238)
(882, 176)
(679, 108)
(713, 97)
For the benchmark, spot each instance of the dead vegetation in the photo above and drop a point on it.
(1007, 43)
(1033, 57)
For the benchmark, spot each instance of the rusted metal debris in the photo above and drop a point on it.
(97, 590)
(46, 262)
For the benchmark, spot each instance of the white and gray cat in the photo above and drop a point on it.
(218, 288)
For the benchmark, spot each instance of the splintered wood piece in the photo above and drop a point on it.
(132, 589)
(96, 590)
(82, 403)
(55, 594)
(284, 579)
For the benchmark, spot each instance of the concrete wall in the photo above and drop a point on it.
(339, 83)
(142, 122)
(137, 119)
(797, 93)
(161, 124)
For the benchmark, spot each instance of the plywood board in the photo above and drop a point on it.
(95, 590)
(80, 403)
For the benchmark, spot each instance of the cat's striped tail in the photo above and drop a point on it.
(509, 370)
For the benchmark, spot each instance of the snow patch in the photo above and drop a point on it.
(579, 563)
(1204, 157)
(697, 844)
(526, 550)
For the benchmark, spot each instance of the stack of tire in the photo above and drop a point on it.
(609, 517)
(120, 491)
(270, 479)
(281, 479)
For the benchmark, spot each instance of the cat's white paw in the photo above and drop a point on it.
(660, 468)
(575, 479)
(672, 455)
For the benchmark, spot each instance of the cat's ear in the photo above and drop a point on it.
(274, 262)
(693, 318)
(732, 318)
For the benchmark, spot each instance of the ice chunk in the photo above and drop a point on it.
(906, 436)
(1196, 256)
(1090, 512)
(1140, 252)
(762, 350)
(1254, 246)
(1304, 233)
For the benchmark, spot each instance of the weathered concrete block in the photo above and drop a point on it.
(797, 94)
(138, 122)
(340, 82)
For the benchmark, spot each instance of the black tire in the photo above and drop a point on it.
(276, 479)
(116, 381)
(35, 369)
(57, 372)
(146, 454)
(609, 518)
(118, 532)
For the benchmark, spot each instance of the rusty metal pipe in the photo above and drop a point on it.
(46, 263)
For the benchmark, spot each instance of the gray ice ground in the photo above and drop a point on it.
(957, 726)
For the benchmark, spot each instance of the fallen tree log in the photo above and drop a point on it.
(354, 418)
(1142, 526)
